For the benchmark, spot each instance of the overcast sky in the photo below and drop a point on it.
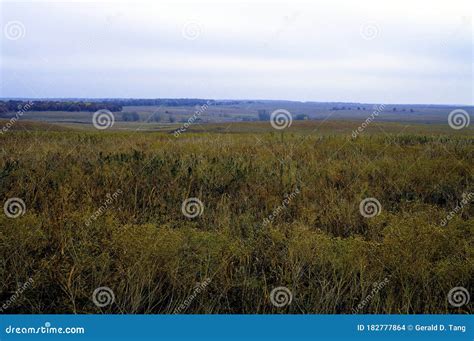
(363, 51)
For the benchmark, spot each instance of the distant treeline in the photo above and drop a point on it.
(14, 106)
(363, 108)
(178, 102)
(111, 104)
(171, 102)
(168, 102)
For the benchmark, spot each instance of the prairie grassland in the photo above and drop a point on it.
(104, 209)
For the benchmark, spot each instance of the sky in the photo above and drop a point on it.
(368, 51)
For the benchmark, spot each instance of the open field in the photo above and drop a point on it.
(279, 209)
(148, 116)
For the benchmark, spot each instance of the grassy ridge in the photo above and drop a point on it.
(319, 245)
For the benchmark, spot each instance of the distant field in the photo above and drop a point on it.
(276, 208)
(147, 116)
(303, 128)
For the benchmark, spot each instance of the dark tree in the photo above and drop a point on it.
(263, 115)
(130, 117)
(301, 117)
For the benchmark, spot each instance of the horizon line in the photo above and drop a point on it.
(226, 99)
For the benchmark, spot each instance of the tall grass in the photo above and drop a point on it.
(319, 246)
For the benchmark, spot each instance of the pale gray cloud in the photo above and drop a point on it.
(372, 51)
